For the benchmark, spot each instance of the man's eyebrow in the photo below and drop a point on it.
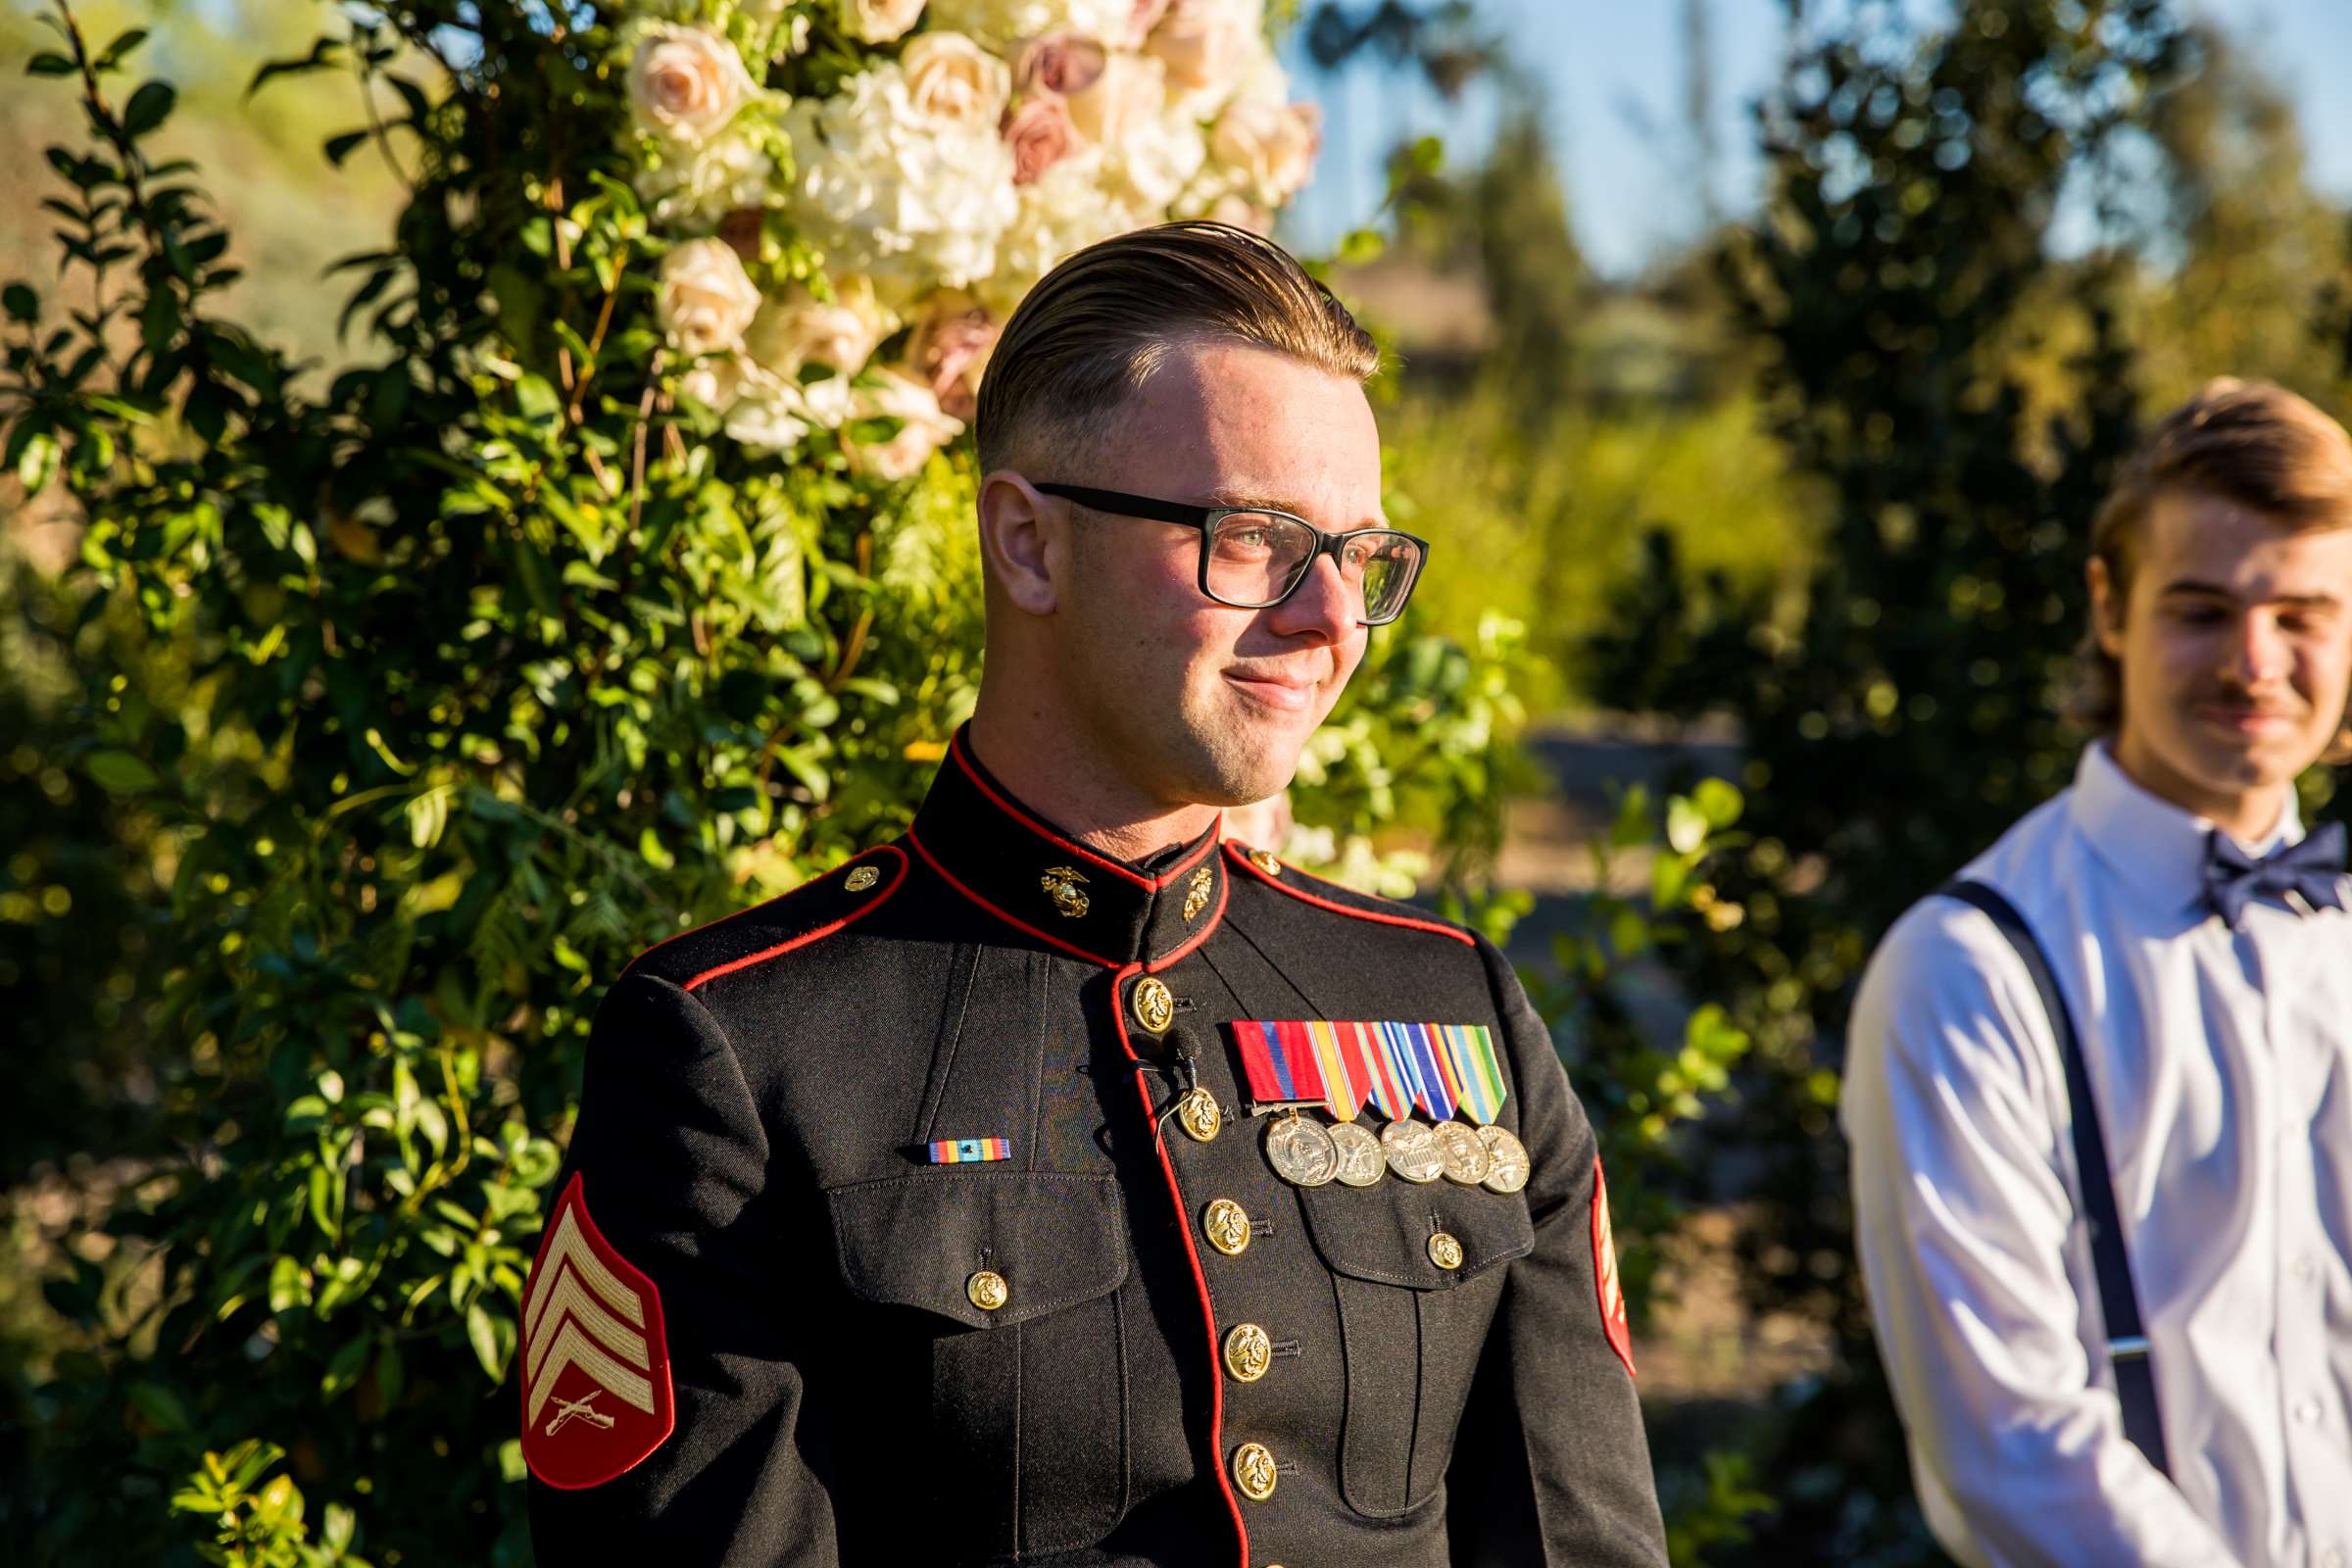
(1243, 501)
(2198, 588)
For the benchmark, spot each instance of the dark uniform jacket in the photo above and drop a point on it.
(765, 1328)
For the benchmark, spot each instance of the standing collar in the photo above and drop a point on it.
(1028, 873)
(2156, 848)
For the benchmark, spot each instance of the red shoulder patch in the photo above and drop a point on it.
(596, 1395)
(1604, 1273)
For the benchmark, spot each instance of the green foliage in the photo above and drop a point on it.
(1900, 277)
(412, 700)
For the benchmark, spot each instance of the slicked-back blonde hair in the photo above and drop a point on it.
(1098, 324)
(2249, 442)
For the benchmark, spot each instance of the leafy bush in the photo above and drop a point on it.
(421, 702)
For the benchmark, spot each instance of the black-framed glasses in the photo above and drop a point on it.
(1252, 557)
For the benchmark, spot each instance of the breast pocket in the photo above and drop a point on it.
(1411, 1328)
(1010, 1282)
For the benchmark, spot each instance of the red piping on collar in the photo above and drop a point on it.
(949, 877)
(802, 940)
(1191, 1255)
(1236, 854)
(1224, 893)
(1148, 884)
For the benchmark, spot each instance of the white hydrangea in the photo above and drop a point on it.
(1153, 167)
(998, 22)
(1065, 210)
(913, 200)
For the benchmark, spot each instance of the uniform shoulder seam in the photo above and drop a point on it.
(887, 859)
(1273, 880)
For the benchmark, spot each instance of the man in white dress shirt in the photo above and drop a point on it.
(2202, 959)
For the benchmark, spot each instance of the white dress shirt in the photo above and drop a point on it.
(2222, 1064)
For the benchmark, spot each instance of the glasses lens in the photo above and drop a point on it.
(1253, 557)
(1384, 565)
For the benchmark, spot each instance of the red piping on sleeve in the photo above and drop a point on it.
(802, 941)
(1235, 855)
(1191, 1255)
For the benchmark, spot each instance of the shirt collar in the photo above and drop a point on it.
(2156, 848)
(1015, 864)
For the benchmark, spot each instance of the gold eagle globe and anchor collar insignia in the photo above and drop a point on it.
(1053, 889)
(1061, 885)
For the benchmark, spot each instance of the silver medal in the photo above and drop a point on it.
(1412, 1150)
(1361, 1159)
(1301, 1153)
(1510, 1166)
(1463, 1154)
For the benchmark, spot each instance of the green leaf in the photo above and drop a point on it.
(48, 65)
(1686, 826)
(121, 49)
(483, 1334)
(149, 108)
(338, 148)
(120, 774)
(1718, 801)
(345, 1369)
(160, 1406)
(21, 302)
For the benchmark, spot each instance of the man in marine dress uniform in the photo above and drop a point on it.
(1010, 1193)
(2100, 1093)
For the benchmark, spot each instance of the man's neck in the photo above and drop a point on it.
(1074, 792)
(2246, 815)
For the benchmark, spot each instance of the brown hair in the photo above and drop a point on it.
(1099, 324)
(2250, 442)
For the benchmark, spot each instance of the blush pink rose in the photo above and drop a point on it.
(1040, 134)
(950, 348)
(1061, 63)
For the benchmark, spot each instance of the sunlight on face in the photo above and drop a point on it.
(1204, 703)
(2237, 649)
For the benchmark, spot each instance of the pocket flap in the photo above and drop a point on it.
(1382, 1233)
(916, 1241)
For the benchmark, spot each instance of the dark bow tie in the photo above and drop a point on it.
(2310, 868)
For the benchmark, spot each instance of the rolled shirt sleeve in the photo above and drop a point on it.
(1954, 1106)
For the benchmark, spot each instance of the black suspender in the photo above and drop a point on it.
(2119, 1303)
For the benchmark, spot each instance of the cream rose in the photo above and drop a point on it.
(1145, 17)
(801, 330)
(1153, 164)
(952, 340)
(707, 298)
(1059, 63)
(1002, 24)
(952, 78)
(1270, 146)
(922, 430)
(879, 21)
(1129, 93)
(1040, 134)
(1206, 45)
(686, 83)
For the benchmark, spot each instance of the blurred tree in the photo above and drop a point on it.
(1908, 717)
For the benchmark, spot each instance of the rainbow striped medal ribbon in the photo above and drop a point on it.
(1285, 1074)
(1478, 1077)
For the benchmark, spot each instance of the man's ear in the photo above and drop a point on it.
(1026, 550)
(2106, 608)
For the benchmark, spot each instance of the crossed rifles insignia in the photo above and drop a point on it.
(596, 1393)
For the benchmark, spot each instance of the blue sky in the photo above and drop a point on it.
(1612, 65)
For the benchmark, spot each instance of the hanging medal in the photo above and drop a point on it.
(1285, 1073)
(1471, 1050)
(1410, 1146)
(1361, 1162)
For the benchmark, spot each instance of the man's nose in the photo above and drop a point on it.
(1324, 605)
(2259, 651)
